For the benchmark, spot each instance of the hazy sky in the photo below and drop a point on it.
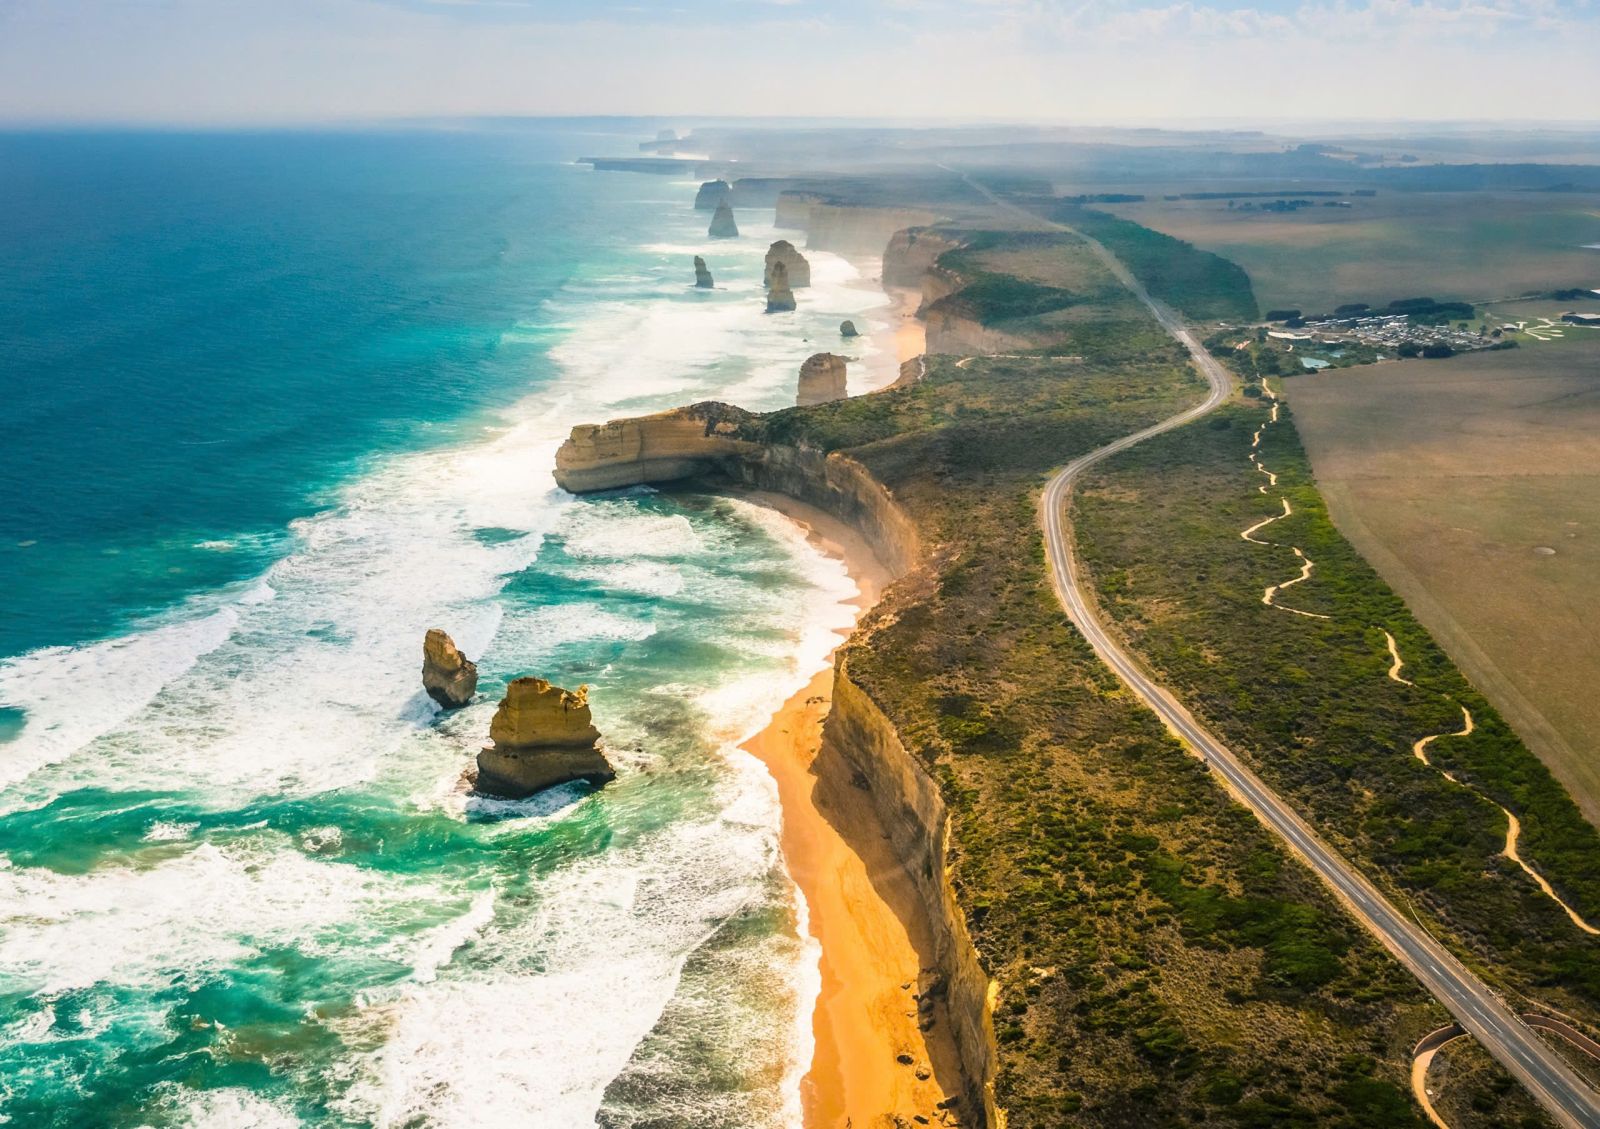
(298, 60)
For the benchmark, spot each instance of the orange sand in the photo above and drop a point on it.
(866, 1012)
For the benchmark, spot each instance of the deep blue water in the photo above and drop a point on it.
(276, 404)
(204, 332)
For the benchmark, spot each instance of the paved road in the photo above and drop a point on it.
(1538, 1067)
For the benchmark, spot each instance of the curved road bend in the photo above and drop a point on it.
(1553, 1083)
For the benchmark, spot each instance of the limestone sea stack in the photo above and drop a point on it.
(449, 677)
(702, 274)
(848, 329)
(722, 225)
(780, 299)
(794, 262)
(543, 736)
(712, 193)
(822, 378)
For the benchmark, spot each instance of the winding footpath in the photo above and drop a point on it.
(1419, 749)
(1553, 1083)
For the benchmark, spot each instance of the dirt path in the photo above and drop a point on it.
(1270, 596)
(1419, 748)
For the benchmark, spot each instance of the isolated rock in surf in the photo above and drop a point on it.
(449, 677)
(780, 299)
(542, 736)
(702, 274)
(712, 193)
(722, 225)
(822, 378)
(793, 261)
(848, 329)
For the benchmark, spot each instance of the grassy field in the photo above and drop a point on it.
(1452, 478)
(1460, 245)
(1309, 704)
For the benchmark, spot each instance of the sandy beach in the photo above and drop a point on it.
(872, 1062)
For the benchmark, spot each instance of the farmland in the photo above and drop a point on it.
(1473, 486)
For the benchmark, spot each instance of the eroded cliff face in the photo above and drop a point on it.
(912, 253)
(912, 815)
(664, 447)
(793, 209)
(964, 336)
(849, 229)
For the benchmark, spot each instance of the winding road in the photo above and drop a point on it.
(1554, 1084)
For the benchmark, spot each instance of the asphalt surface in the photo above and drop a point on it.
(1554, 1084)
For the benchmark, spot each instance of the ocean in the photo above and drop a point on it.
(276, 403)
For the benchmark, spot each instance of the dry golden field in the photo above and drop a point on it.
(1473, 485)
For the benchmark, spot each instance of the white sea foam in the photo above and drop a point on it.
(204, 910)
(231, 1107)
(306, 680)
(439, 944)
(164, 831)
(561, 997)
(72, 695)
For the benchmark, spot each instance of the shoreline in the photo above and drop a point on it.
(865, 1021)
(902, 336)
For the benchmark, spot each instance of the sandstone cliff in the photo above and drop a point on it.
(849, 229)
(799, 271)
(708, 441)
(449, 677)
(911, 815)
(712, 193)
(822, 378)
(704, 441)
(912, 253)
(954, 333)
(722, 223)
(793, 209)
(542, 736)
(702, 274)
(671, 445)
(780, 298)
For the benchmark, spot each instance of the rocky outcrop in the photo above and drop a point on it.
(449, 677)
(822, 378)
(712, 193)
(780, 298)
(702, 274)
(722, 223)
(682, 443)
(847, 328)
(794, 263)
(711, 440)
(542, 736)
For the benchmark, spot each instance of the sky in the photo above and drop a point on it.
(220, 62)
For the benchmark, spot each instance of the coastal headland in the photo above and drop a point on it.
(1103, 935)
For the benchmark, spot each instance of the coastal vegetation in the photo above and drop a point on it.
(1160, 958)
(1202, 285)
(1470, 484)
(1309, 702)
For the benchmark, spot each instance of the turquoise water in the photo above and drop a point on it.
(277, 404)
